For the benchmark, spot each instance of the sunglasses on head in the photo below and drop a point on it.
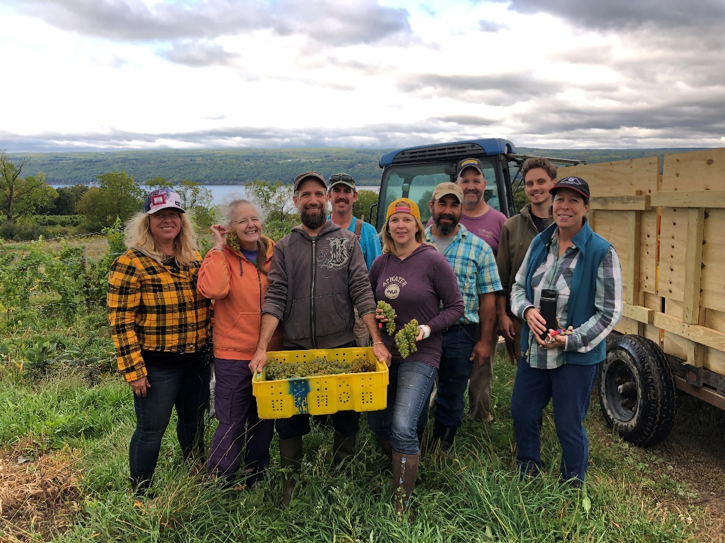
(341, 177)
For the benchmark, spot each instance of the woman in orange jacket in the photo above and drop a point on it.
(234, 275)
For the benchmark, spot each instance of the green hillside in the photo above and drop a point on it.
(238, 166)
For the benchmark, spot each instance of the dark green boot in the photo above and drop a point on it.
(343, 448)
(290, 451)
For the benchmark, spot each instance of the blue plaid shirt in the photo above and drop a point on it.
(475, 268)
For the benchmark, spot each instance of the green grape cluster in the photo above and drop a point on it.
(405, 339)
(233, 241)
(277, 369)
(388, 313)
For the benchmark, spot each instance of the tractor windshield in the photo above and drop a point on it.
(417, 181)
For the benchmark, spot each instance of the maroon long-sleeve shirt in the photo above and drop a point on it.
(421, 287)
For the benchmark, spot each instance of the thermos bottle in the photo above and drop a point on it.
(548, 309)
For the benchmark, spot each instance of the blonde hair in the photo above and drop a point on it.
(389, 244)
(138, 236)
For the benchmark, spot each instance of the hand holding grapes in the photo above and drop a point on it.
(219, 233)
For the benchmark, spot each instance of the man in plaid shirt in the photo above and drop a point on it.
(468, 341)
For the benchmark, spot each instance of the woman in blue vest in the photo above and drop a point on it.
(561, 359)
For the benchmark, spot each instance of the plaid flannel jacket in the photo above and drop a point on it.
(155, 308)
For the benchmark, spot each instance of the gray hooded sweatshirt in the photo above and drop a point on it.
(314, 285)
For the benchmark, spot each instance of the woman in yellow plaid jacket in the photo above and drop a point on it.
(160, 324)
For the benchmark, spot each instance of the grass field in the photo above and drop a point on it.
(71, 441)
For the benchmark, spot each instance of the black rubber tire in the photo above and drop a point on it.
(637, 391)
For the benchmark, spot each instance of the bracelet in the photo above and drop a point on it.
(377, 343)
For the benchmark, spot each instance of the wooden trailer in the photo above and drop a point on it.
(666, 218)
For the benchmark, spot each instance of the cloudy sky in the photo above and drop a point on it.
(156, 74)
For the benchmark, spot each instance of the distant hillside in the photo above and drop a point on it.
(238, 166)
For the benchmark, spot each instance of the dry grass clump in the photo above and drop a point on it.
(38, 492)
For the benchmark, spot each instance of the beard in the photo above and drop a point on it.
(313, 218)
(446, 228)
(475, 194)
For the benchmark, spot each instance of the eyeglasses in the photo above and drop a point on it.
(245, 221)
(341, 177)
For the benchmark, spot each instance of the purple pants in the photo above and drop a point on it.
(239, 425)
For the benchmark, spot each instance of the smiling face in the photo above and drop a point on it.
(473, 185)
(342, 198)
(569, 209)
(247, 224)
(446, 213)
(537, 184)
(402, 228)
(311, 202)
(165, 225)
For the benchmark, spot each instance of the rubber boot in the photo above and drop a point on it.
(343, 448)
(140, 485)
(290, 451)
(405, 470)
(386, 447)
(443, 436)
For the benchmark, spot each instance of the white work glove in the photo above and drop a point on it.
(426, 331)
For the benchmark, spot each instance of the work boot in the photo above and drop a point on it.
(290, 452)
(443, 436)
(140, 485)
(386, 447)
(343, 448)
(405, 470)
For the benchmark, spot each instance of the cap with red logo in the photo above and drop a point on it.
(162, 199)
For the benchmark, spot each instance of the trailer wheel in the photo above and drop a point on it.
(636, 390)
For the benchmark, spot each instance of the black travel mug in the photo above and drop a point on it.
(548, 310)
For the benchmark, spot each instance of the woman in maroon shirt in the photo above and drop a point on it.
(415, 280)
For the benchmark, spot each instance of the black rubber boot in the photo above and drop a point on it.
(386, 447)
(140, 485)
(343, 448)
(290, 451)
(443, 436)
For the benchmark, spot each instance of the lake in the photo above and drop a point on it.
(221, 194)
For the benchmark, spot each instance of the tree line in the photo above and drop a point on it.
(240, 166)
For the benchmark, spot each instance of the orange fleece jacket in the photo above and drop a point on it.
(237, 287)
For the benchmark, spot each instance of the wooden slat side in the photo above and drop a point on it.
(693, 264)
(638, 313)
(621, 203)
(648, 253)
(621, 178)
(693, 332)
(711, 199)
(673, 240)
(693, 171)
(712, 279)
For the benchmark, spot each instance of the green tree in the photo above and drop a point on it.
(365, 198)
(274, 200)
(22, 196)
(117, 195)
(423, 205)
(67, 200)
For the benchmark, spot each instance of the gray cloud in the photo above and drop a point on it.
(628, 14)
(326, 21)
(198, 54)
(491, 26)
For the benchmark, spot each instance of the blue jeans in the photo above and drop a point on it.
(410, 385)
(186, 389)
(453, 375)
(570, 388)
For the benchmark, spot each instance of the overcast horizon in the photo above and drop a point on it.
(116, 75)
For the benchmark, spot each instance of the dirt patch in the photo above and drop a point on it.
(38, 492)
(695, 450)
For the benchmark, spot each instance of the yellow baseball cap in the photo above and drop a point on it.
(403, 205)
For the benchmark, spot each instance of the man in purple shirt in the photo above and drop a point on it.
(486, 222)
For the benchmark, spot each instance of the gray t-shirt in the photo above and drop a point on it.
(442, 243)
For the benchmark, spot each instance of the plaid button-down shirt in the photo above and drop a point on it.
(153, 307)
(557, 273)
(475, 268)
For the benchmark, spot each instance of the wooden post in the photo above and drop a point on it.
(693, 264)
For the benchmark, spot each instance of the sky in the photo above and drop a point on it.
(80, 75)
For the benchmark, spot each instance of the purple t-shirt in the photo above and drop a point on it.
(415, 288)
(487, 227)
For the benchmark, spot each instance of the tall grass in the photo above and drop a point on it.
(470, 494)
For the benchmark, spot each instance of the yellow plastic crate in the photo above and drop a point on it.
(325, 394)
